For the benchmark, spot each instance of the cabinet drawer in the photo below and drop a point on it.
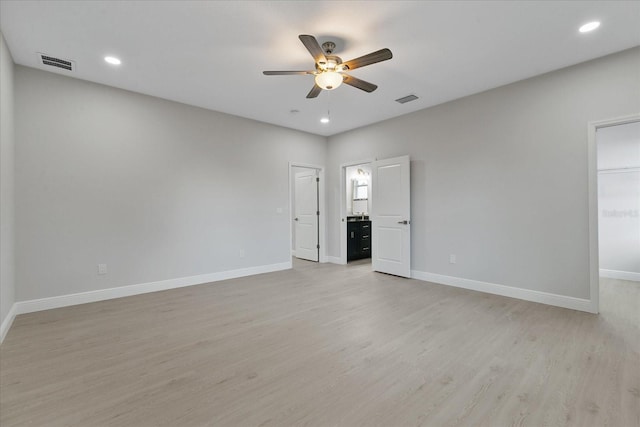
(358, 240)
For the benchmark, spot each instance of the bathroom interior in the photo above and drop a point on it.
(358, 203)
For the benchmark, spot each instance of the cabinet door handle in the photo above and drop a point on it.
(365, 237)
(365, 249)
(405, 222)
(365, 226)
(352, 235)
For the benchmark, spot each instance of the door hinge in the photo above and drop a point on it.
(317, 246)
(318, 213)
(317, 179)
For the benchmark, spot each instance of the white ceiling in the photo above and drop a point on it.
(212, 54)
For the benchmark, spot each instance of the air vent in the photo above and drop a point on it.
(406, 99)
(52, 61)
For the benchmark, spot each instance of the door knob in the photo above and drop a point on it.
(405, 222)
(295, 219)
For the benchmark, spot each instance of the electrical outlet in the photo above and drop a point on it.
(102, 269)
(279, 210)
(241, 253)
(452, 259)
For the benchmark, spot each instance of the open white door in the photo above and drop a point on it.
(306, 215)
(391, 225)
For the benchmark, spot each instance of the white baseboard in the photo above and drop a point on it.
(7, 322)
(142, 288)
(622, 275)
(508, 291)
(334, 260)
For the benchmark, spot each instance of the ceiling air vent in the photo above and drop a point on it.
(52, 61)
(406, 99)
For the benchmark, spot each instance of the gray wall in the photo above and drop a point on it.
(154, 189)
(7, 150)
(619, 198)
(160, 190)
(500, 178)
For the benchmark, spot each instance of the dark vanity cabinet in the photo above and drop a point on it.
(358, 239)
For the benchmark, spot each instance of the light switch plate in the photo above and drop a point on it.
(102, 269)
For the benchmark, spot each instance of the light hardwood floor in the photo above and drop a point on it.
(324, 345)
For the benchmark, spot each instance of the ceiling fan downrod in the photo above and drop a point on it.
(328, 47)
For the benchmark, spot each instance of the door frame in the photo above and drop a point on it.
(592, 159)
(343, 205)
(322, 221)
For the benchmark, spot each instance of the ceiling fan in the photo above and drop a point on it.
(330, 71)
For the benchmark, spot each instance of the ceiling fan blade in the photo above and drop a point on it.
(372, 58)
(286, 73)
(313, 47)
(315, 91)
(360, 84)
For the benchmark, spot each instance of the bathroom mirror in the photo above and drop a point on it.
(360, 197)
(360, 190)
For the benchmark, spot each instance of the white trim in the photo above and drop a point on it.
(619, 170)
(335, 260)
(293, 252)
(7, 322)
(142, 288)
(322, 208)
(592, 179)
(507, 291)
(622, 275)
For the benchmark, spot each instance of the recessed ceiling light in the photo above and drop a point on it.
(589, 26)
(324, 120)
(112, 60)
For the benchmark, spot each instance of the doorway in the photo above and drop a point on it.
(355, 207)
(307, 212)
(375, 214)
(614, 206)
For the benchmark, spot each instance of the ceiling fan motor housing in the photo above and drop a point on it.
(333, 64)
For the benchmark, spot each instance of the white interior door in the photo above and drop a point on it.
(390, 221)
(306, 215)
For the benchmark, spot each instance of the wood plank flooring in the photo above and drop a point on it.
(324, 345)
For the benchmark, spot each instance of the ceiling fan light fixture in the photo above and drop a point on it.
(330, 71)
(329, 80)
